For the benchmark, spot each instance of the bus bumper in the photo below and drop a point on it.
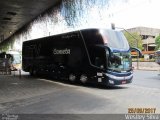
(119, 78)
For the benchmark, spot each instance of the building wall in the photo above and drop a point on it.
(148, 36)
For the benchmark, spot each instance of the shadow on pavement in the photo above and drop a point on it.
(65, 81)
(89, 85)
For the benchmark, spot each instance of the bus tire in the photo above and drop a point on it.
(83, 78)
(31, 72)
(72, 77)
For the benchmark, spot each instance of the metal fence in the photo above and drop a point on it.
(5, 66)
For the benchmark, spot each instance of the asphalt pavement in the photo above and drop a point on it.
(145, 78)
(29, 95)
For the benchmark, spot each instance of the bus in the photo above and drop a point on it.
(157, 56)
(16, 60)
(13, 59)
(89, 55)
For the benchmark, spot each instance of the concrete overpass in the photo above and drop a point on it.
(15, 14)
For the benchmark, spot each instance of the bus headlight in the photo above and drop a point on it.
(111, 82)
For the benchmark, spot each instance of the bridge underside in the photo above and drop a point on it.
(14, 14)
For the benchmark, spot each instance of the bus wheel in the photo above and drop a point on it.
(83, 78)
(72, 77)
(31, 72)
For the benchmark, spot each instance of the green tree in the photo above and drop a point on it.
(157, 42)
(133, 38)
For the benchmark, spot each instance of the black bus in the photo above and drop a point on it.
(87, 55)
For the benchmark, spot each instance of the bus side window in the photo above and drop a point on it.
(99, 62)
(99, 58)
(10, 58)
(29, 51)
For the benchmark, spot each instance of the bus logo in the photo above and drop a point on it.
(61, 52)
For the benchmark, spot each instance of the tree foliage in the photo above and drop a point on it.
(157, 42)
(133, 38)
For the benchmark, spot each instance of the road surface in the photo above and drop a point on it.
(28, 95)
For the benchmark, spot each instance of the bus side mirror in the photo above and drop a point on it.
(109, 50)
(138, 50)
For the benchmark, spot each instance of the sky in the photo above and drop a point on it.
(134, 13)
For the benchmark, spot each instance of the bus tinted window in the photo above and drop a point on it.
(115, 39)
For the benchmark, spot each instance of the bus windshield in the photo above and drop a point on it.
(120, 62)
(115, 40)
(16, 59)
